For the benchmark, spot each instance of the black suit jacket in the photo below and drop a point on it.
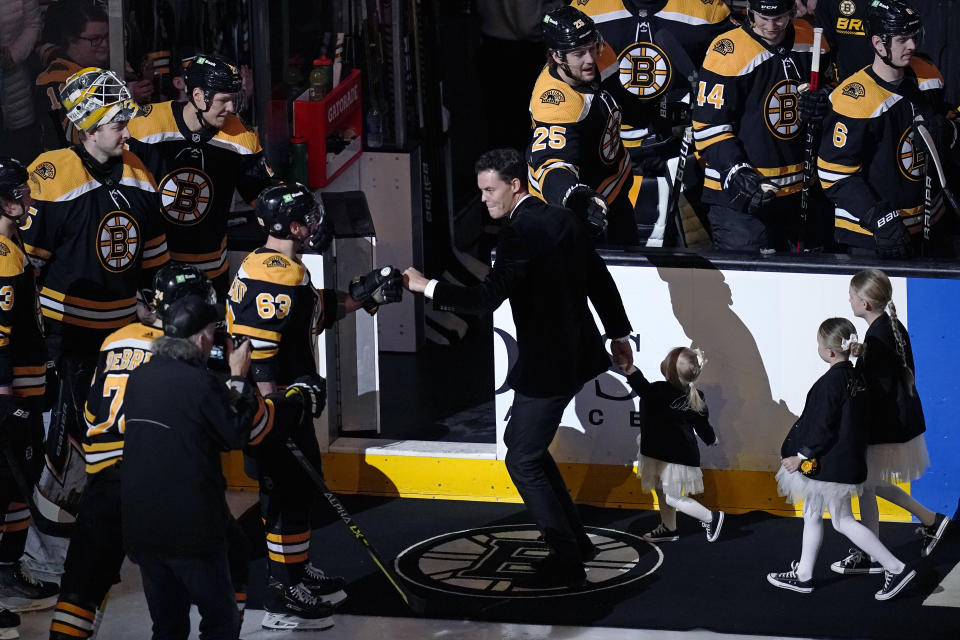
(547, 266)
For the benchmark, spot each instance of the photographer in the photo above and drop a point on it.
(179, 418)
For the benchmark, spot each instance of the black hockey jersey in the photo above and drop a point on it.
(670, 427)
(844, 25)
(23, 354)
(121, 353)
(657, 54)
(273, 303)
(869, 151)
(832, 426)
(97, 240)
(747, 110)
(56, 129)
(197, 173)
(576, 137)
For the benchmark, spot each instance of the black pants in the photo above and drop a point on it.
(21, 444)
(776, 226)
(533, 424)
(172, 583)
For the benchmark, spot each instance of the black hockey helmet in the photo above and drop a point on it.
(771, 8)
(886, 18)
(189, 315)
(280, 204)
(13, 178)
(175, 281)
(211, 74)
(566, 28)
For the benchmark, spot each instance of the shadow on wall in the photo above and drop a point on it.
(749, 422)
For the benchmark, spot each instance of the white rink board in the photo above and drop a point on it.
(758, 332)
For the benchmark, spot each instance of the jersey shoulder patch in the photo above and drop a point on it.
(554, 100)
(56, 175)
(274, 268)
(731, 52)
(12, 258)
(153, 119)
(859, 96)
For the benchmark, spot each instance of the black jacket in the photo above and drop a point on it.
(669, 428)
(895, 414)
(831, 428)
(547, 266)
(179, 418)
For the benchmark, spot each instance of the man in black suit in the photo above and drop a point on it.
(547, 266)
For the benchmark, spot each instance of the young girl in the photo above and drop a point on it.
(669, 459)
(828, 447)
(896, 444)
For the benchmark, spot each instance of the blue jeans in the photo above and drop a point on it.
(172, 583)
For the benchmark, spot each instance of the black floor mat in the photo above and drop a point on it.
(721, 586)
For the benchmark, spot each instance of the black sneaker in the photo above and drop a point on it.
(552, 573)
(931, 535)
(328, 588)
(21, 591)
(857, 563)
(9, 621)
(789, 580)
(893, 583)
(661, 534)
(713, 527)
(295, 608)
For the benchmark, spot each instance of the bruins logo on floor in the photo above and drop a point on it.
(185, 196)
(484, 562)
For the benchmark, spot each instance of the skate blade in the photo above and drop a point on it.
(9, 633)
(287, 622)
(20, 605)
(333, 599)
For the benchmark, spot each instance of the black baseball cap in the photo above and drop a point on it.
(189, 315)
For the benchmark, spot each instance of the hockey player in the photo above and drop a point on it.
(200, 152)
(747, 126)
(872, 161)
(96, 235)
(96, 549)
(22, 376)
(660, 45)
(576, 158)
(844, 25)
(273, 303)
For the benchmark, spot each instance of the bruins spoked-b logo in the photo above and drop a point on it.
(486, 561)
(185, 196)
(118, 241)
(644, 70)
(782, 110)
(911, 156)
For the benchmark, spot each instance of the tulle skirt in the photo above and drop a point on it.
(903, 461)
(676, 479)
(815, 494)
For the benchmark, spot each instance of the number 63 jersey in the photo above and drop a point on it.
(273, 303)
(747, 110)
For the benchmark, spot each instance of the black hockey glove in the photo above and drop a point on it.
(591, 208)
(748, 190)
(814, 104)
(312, 390)
(944, 131)
(889, 234)
(671, 115)
(380, 286)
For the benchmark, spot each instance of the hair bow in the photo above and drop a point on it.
(845, 343)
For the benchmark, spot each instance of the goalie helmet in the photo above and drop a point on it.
(567, 28)
(283, 203)
(94, 97)
(175, 281)
(211, 74)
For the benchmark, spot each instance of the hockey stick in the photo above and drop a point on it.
(673, 200)
(918, 122)
(416, 604)
(44, 524)
(810, 142)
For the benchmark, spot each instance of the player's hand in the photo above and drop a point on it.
(312, 390)
(748, 190)
(380, 286)
(814, 104)
(591, 208)
(889, 234)
(238, 357)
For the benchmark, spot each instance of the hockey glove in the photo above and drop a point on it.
(748, 190)
(312, 390)
(591, 208)
(889, 234)
(814, 104)
(670, 116)
(380, 286)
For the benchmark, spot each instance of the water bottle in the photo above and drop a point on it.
(374, 128)
(321, 77)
